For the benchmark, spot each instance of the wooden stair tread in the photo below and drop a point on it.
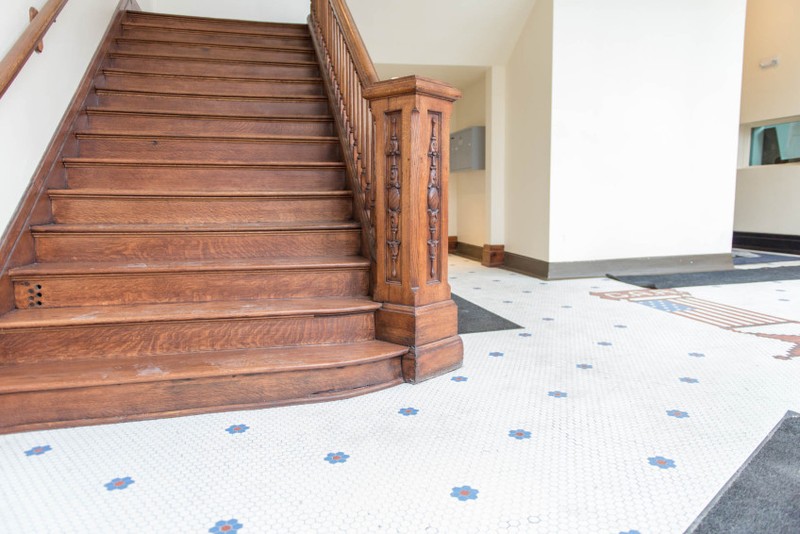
(176, 312)
(253, 79)
(247, 27)
(212, 96)
(69, 374)
(73, 162)
(119, 193)
(88, 134)
(171, 42)
(247, 264)
(207, 115)
(278, 226)
(269, 62)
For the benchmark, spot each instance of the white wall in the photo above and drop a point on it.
(767, 197)
(645, 127)
(528, 106)
(33, 106)
(469, 190)
(295, 11)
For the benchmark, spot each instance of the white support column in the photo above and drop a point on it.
(495, 154)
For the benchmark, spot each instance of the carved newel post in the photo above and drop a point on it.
(412, 164)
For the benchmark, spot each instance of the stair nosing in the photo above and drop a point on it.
(217, 20)
(96, 268)
(135, 24)
(218, 228)
(308, 50)
(150, 369)
(182, 312)
(293, 64)
(134, 193)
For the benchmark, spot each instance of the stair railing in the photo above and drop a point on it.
(30, 40)
(395, 138)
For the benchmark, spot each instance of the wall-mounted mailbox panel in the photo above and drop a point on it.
(468, 149)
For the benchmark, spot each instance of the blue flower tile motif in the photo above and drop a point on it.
(495, 280)
(548, 319)
(459, 379)
(237, 429)
(584, 366)
(688, 380)
(336, 457)
(784, 300)
(677, 413)
(697, 355)
(119, 483)
(604, 343)
(508, 302)
(464, 493)
(525, 334)
(557, 394)
(223, 526)
(661, 462)
(567, 307)
(38, 450)
(519, 434)
(630, 532)
(475, 288)
(527, 291)
(496, 354)
(620, 326)
(408, 411)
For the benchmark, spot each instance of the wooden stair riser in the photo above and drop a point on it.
(187, 125)
(106, 246)
(139, 31)
(209, 86)
(117, 209)
(211, 68)
(109, 290)
(205, 179)
(127, 402)
(202, 51)
(127, 340)
(217, 25)
(144, 103)
(176, 149)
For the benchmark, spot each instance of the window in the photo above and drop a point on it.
(776, 143)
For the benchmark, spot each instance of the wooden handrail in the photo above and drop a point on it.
(15, 59)
(395, 138)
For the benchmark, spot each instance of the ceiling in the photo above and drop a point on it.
(440, 32)
(460, 77)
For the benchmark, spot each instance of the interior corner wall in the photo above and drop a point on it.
(768, 196)
(469, 189)
(528, 124)
(292, 11)
(32, 107)
(645, 127)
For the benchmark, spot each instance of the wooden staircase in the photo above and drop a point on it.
(204, 255)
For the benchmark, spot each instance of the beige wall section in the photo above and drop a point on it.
(34, 104)
(768, 196)
(528, 105)
(772, 31)
(645, 128)
(295, 11)
(468, 187)
(768, 199)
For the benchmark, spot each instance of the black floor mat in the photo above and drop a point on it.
(764, 495)
(711, 278)
(472, 318)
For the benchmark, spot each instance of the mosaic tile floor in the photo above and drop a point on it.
(615, 409)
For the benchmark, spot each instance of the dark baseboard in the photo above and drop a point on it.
(788, 244)
(625, 266)
(472, 252)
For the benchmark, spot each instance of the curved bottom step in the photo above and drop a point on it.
(86, 392)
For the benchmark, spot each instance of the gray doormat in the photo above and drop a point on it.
(764, 495)
(472, 318)
(711, 278)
